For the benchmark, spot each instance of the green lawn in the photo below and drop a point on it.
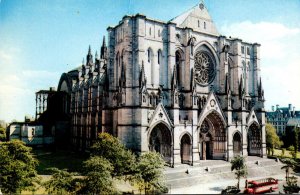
(72, 161)
(287, 153)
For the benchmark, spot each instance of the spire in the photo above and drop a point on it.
(103, 51)
(96, 55)
(174, 79)
(89, 57)
(260, 89)
(142, 76)
(89, 50)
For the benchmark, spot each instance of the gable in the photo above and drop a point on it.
(252, 118)
(212, 105)
(198, 19)
(160, 115)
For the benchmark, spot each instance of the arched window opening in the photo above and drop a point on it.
(178, 60)
(149, 54)
(159, 56)
(186, 149)
(150, 31)
(245, 74)
(198, 23)
(158, 33)
(237, 144)
(204, 25)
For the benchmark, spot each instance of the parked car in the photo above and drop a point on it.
(230, 190)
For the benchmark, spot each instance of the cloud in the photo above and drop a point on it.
(280, 59)
(17, 92)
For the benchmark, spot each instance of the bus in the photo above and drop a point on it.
(261, 186)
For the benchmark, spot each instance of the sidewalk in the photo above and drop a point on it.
(215, 187)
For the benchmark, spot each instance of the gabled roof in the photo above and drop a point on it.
(191, 18)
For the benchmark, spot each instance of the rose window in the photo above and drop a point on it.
(204, 68)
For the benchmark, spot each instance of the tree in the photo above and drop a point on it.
(110, 148)
(238, 164)
(291, 186)
(289, 164)
(98, 178)
(149, 173)
(272, 139)
(17, 167)
(61, 182)
(293, 151)
(2, 134)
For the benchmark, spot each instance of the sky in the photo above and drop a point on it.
(39, 40)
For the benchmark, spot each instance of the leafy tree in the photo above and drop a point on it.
(98, 177)
(289, 164)
(291, 186)
(238, 164)
(272, 139)
(149, 173)
(293, 151)
(110, 148)
(61, 182)
(17, 167)
(2, 134)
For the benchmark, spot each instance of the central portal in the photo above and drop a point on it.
(212, 138)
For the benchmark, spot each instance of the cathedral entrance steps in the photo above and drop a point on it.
(213, 170)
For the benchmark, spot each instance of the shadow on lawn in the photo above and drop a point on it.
(60, 159)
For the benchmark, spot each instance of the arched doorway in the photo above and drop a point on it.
(212, 137)
(185, 149)
(254, 140)
(160, 141)
(237, 144)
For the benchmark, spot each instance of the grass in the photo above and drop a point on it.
(60, 159)
(287, 154)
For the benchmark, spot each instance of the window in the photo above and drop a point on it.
(150, 31)
(204, 25)
(248, 51)
(178, 60)
(243, 49)
(149, 55)
(158, 33)
(159, 57)
(198, 23)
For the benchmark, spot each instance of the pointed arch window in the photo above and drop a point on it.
(204, 25)
(159, 57)
(178, 60)
(149, 54)
(244, 73)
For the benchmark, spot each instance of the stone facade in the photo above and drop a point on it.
(280, 116)
(30, 133)
(178, 87)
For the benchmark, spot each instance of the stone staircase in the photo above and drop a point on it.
(213, 170)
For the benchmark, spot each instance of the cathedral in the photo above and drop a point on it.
(177, 87)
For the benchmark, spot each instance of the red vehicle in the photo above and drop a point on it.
(261, 186)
